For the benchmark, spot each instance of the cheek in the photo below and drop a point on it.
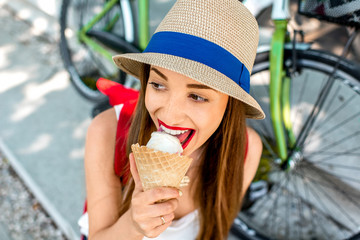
(208, 121)
(212, 123)
(151, 100)
(211, 119)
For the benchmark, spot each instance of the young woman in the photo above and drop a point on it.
(195, 83)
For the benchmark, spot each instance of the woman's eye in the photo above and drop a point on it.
(197, 98)
(157, 86)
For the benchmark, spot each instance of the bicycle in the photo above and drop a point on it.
(309, 170)
(104, 28)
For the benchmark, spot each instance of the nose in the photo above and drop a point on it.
(174, 111)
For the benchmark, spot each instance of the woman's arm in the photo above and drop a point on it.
(252, 158)
(103, 187)
(104, 192)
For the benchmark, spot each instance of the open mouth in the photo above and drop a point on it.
(183, 134)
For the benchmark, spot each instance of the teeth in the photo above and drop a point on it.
(173, 132)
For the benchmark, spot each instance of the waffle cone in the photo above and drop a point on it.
(160, 169)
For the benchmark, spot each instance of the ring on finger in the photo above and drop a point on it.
(163, 220)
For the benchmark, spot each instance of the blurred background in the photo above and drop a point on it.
(43, 120)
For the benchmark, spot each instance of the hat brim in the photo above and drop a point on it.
(131, 63)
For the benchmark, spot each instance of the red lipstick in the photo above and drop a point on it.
(186, 136)
(173, 128)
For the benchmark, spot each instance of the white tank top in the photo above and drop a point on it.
(185, 228)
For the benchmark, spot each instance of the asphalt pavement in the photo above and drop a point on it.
(43, 120)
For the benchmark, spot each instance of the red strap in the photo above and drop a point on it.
(85, 207)
(247, 146)
(118, 94)
(122, 169)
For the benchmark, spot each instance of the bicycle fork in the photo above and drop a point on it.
(276, 82)
(280, 85)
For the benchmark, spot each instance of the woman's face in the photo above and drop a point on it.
(184, 107)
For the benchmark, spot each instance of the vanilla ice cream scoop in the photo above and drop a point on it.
(160, 163)
(164, 142)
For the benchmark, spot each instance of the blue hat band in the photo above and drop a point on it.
(203, 51)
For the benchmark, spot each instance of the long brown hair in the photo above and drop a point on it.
(219, 185)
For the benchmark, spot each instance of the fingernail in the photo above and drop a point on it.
(180, 193)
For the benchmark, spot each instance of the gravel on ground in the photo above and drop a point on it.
(22, 217)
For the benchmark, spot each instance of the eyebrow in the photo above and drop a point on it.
(159, 73)
(197, 86)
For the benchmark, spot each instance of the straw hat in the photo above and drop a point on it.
(211, 41)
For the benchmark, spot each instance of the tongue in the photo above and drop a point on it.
(183, 137)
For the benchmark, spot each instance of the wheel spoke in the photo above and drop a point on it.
(333, 186)
(338, 142)
(307, 196)
(335, 111)
(334, 203)
(348, 153)
(319, 199)
(336, 127)
(299, 206)
(296, 118)
(329, 116)
(262, 206)
(337, 165)
(287, 209)
(338, 176)
(355, 180)
(313, 211)
(327, 156)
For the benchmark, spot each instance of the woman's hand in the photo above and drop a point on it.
(149, 216)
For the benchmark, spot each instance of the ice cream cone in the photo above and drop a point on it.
(160, 169)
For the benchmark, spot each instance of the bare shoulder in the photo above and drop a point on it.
(103, 124)
(100, 141)
(254, 149)
(252, 158)
(254, 141)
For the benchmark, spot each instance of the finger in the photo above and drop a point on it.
(162, 227)
(141, 212)
(158, 229)
(161, 194)
(163, 209)
(135, 173)
(163, 219)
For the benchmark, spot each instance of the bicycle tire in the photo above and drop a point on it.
(316, 198)
(84, 65)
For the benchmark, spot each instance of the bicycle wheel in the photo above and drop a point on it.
(84, 64)
(317, 196)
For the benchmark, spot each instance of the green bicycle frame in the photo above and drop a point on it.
(143, 9)
(279, 89)
(143, 23)
(87, 40)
